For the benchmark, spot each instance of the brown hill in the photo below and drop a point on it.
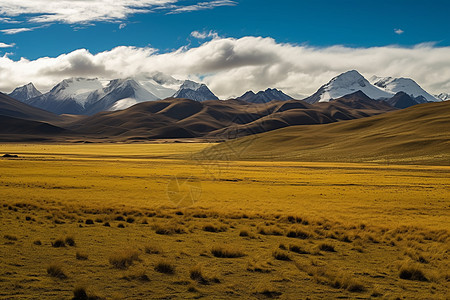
(419, 134)
(182, 118)
(12, 108)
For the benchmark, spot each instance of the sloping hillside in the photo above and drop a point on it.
(419, 134)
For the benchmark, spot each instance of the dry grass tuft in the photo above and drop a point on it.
(214, 228)
(80, 293)
(326, 247)
(55, 270)
(165, 267)
(150, 249)
(411, 271)
(59, 243)
(297, 249)
(226, 252)
(281, 255)
(81, 255)
(70, 241)
(296, 232)
(196, 273)
(123, 259)
(10, 237)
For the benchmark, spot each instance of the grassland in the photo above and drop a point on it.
(156, 221)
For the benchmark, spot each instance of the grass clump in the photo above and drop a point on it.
(59, 243)
(297, 249)
(412, 272)
(281, 255)
(243, 233)
(214, 228)
(270, 230)
(81, 255)
(10, 237)
(226, 252)
(55, 270)
(149, 249)
(70, 241)
(165, 267)
(196, 273)
(123, 259)
(298, 233)
(80, 293)
(326, 247)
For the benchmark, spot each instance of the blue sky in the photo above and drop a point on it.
(231, 45)
(317, 23)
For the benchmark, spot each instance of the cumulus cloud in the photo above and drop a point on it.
(204, 35)
(398, 31)
(122, 26)
(232, 66)
(3, 45)
(89, 11)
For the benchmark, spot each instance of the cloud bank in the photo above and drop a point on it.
(232, 66)
(89, 11)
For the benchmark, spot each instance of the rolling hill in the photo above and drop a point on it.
(416, 135)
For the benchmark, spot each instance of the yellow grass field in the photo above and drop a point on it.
(198, 228)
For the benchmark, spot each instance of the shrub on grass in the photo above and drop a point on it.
(165, 267)
(55, 270)
(123, 259)
(226, 252)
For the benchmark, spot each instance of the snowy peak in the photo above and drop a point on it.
(75, 88)
(406, 85)
(25, 92)
(344, 84)
(194, 91)
(443, 96)
(265, 96)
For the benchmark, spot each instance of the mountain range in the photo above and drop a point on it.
(81, 96)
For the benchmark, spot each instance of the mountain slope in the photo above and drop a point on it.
(13, 108)
(25, 92)
(264, 96)
(401, 100)
(443, 96)
(344, 84)
(194, 91)
(406, 85)
(419, 134)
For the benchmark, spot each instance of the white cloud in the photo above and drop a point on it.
(3, 45)
(232, 66)
(202, 6)
(122, 26)
(89, 11)
(204, 35)
(17, 30)
(398, 31)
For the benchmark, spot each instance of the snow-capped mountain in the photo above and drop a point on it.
(194, 91)
(406, 85)
(67, 97)
(264, 96)
(25, 92)
(402, 100)
(443, 96)
(161, 85)
(344, 84)
(118, 94)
